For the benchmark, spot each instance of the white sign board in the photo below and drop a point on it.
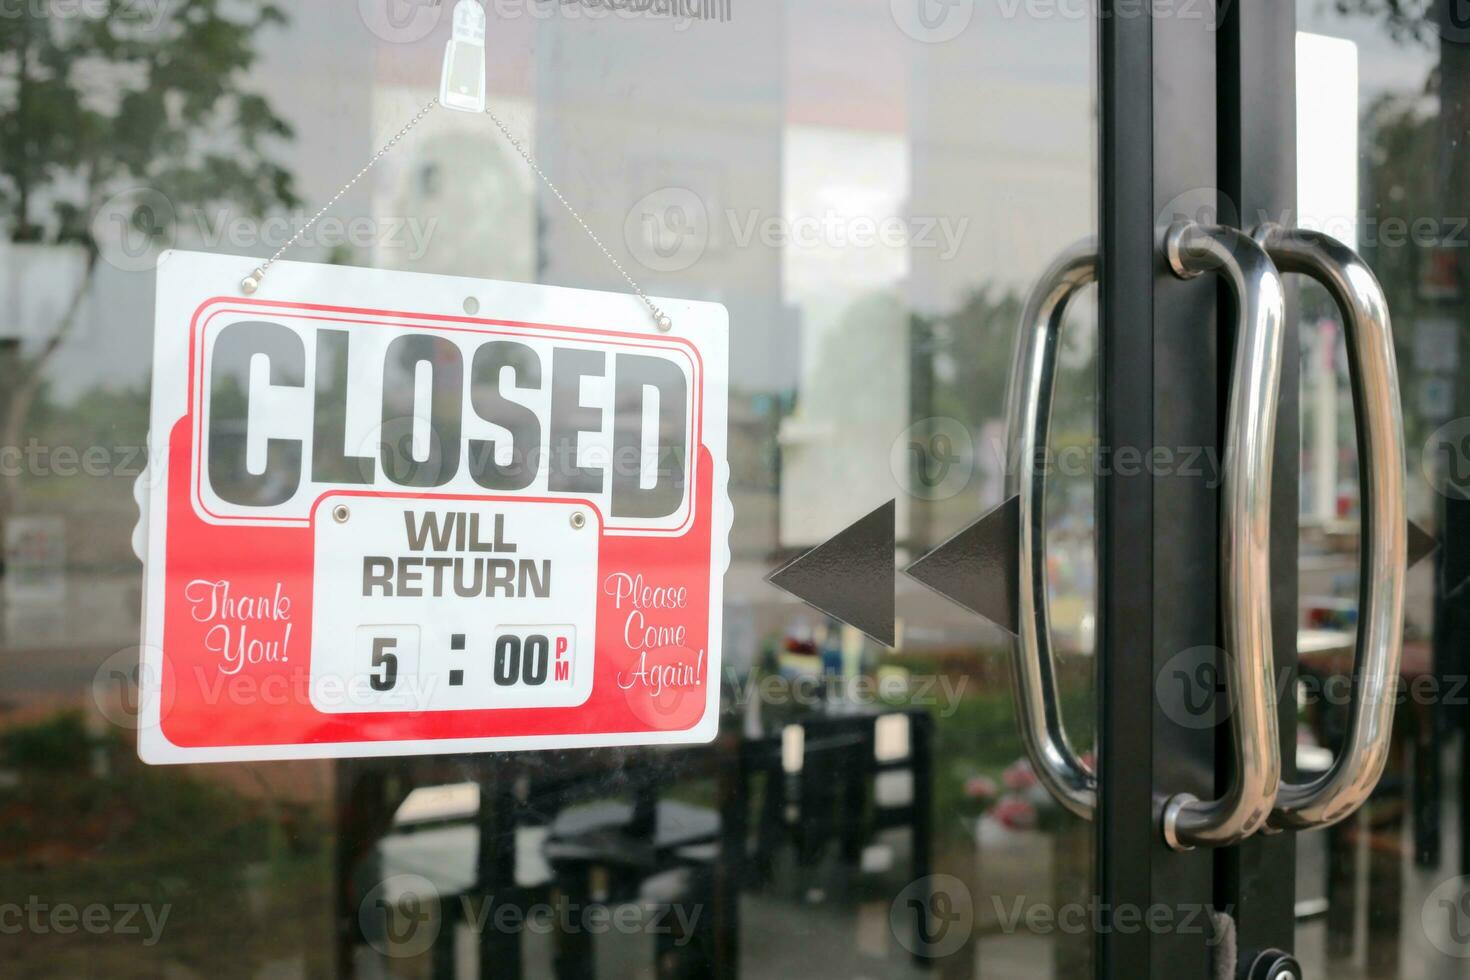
(381, 525)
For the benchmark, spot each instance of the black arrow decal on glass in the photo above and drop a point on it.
(1421, 544)
(977, 567)
(850, 576)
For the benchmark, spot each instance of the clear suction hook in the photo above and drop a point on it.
(462, 86)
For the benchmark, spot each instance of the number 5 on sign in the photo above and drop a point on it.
(389, 656)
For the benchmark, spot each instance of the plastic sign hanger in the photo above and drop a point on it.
(462, 85)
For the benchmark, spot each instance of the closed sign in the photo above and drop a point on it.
(379, 525)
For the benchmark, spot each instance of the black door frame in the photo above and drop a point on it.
(1197, 112)
(1257, 52)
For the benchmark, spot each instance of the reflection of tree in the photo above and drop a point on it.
(93, 106)
(961, 363)
(855, 376)
(1419, 167)
(1415, 196)
(83, 816)
(474, 204)
(1401, 140)
(1405, 20)
(970, 353)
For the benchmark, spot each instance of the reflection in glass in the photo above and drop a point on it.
(1379, 895)
(870, 204)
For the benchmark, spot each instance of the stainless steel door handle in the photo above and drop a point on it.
(1383, 554)
(1028, 413)
(1250, 266)
(1245, 535)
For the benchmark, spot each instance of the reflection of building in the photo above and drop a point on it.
(981, 157)
(617, 142)
(823, 193)
(657, 170)
(726, 186)
(460, 198)
(612, 130)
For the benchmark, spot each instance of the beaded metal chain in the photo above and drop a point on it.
(252, 282)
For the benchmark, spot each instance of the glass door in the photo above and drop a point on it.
(1380, 95)
(873, 190)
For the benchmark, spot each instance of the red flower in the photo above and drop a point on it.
(1019, 775)
(1016, 813)
(981, 788)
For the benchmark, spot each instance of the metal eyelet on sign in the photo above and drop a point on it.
(579, 520)
(340, 513)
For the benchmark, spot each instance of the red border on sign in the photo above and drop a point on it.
(204, 711)
(195, 408)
